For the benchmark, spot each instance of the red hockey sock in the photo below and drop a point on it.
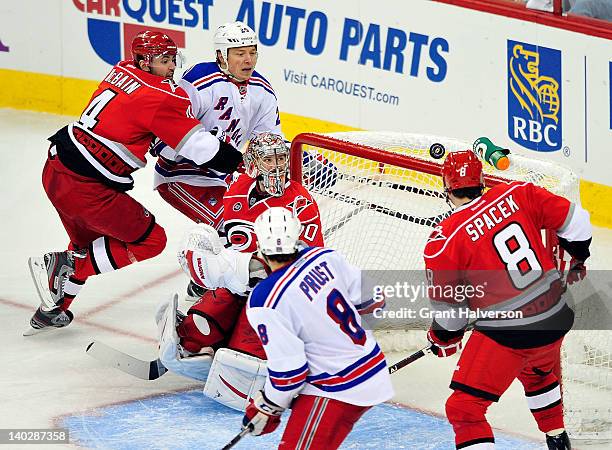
(106, 254)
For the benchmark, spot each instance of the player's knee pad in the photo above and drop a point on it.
(462, 407)
(157, 240)
(152, 245)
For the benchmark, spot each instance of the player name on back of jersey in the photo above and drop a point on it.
(122, 80)
(315, 279)
(490, 216)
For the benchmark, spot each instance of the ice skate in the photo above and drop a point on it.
(50, 274)
(48, 320)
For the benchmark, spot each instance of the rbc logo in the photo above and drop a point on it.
(534, 96)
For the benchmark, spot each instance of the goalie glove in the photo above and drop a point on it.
(212, 266)
(262, 416)
(443, 342)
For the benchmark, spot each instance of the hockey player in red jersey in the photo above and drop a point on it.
(266, 184)
(490, 257)
(89, 168)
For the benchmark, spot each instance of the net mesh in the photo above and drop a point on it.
(379, 211)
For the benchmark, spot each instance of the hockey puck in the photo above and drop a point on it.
(437, 150)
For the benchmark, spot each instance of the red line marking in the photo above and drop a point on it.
(85, 322)
(130, 294)
(84, 318)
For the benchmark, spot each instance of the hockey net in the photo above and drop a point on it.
(380, 194)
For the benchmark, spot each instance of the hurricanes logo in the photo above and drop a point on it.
(436, 235)
(240, 234)
(299, 204)
(534, 96)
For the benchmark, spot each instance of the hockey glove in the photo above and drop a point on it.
(444, 343)
(262, 416)
(577, 271)
(227, 159)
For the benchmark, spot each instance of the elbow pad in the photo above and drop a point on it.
(226, 160)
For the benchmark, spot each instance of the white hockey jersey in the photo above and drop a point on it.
(241, 110)
(307, 317)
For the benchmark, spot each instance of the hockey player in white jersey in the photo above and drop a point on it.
(227, 95)
(321, 362)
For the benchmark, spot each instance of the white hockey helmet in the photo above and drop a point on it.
(278, 231)
(233, 35)
(267, 158)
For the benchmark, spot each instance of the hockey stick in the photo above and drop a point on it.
(145, 370)
(409, 359)
(426, 221)
(239, 436)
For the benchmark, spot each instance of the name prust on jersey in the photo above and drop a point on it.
(455, 313)
(491, 216)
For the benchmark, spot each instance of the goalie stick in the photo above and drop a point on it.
(145, 370)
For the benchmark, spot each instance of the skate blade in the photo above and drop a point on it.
(38, 271)
(34, 331)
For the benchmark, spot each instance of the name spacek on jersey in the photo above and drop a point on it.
(494, 245)
(126, 112)
(243, 203)
(307, 317)
(240, 109)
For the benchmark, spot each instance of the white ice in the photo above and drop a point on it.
(48, 376)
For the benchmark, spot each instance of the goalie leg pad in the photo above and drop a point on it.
(235, 378)
(210, 320)
(244, 338)
(171, 353)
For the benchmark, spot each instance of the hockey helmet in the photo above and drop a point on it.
(277, 231)
(150, 44)
(267, 158)
(233, 35)
(462, 169)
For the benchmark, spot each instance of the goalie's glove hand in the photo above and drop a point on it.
(444, 343)
(577, 271)
(262, 416)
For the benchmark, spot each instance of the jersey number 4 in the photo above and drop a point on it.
(89, 118)
(515, 251)
(341, 313)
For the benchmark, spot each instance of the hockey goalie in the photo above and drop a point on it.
(213, 341)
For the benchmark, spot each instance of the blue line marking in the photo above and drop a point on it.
(188, 420)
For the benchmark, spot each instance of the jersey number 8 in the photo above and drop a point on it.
(515, 251)
(341, 313)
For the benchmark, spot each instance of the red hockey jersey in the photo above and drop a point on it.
(243, 203)
(487, 264)
(129, 108)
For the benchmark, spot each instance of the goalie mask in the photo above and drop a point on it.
(267, 159)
